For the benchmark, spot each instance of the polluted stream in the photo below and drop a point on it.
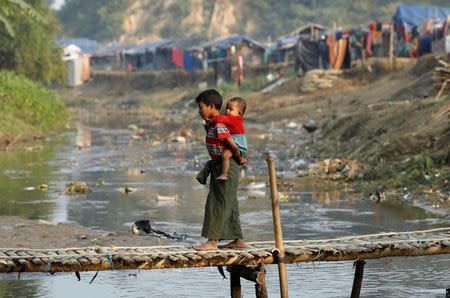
(122, 156)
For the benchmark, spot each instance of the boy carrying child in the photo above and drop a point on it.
(221, 219)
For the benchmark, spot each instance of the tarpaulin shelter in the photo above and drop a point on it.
(110, 56)
(143, 56)
(309, 31)
(218, 48)
(412, 16)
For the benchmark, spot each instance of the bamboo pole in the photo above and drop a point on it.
(391, 48)
(235, 283)
(357, 281)
(277, 226)
(260, 286)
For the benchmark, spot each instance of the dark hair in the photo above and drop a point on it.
(210, 97)
(241, 102)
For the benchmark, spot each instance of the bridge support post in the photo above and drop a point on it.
(260, 286)
(256, 274)
(235, 282)
(282, 273)
(357, 281)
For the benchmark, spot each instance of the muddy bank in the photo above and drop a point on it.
(20, 232)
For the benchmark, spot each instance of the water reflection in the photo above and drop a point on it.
(425, 276)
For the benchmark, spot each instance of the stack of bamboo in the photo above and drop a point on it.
(442, 74)
(317, 79)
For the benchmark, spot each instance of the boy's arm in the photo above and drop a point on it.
(220, 119)
(233, 147)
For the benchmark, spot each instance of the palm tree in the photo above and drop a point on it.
(7, 7)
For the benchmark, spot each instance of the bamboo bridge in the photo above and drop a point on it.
(416, 243)
(351, 248)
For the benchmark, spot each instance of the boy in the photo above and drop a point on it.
(234, 121)
(221, 220)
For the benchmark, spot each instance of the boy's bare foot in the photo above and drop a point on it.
(208, 245)
(222, 177)
(235, 244)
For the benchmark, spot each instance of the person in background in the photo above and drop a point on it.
(323, 52)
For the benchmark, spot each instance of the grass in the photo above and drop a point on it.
(28, 108)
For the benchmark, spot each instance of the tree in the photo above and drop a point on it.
(100, 19)
(30, 49)
(9, 7)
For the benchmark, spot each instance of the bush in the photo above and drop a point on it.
(28, 107)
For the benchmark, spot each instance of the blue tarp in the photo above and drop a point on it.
(223, 43)
(287, 42)
(410, 15)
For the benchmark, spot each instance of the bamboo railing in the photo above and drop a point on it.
(416, 243)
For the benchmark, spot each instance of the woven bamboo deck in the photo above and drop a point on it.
(416, 243)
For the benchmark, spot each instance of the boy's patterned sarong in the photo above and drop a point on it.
(222, 210)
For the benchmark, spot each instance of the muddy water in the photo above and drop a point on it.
(117, 160)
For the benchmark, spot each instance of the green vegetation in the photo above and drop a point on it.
(9, 7)
(27, 107)
(31, 51)
(100, 20)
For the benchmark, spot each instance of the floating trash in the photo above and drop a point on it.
(255, 185)
(76, 187)
(42, 187)
(29, 188)
(283, 197)
(257, 194)
(291, 124)
(126, 190)
(179, 139)
(167, 198)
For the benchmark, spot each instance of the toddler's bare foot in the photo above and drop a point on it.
(208, 245)
(222, 177)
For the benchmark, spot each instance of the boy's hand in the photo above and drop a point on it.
(243, 160)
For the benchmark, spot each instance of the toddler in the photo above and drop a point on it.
(234, 121)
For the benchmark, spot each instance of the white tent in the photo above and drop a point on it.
(73, 56)
(72, 52)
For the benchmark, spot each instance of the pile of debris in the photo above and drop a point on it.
(317, 79)
(336, 169)
(442, 74)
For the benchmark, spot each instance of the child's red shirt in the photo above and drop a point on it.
(234, 123)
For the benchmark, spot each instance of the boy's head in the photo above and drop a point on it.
(209, 103)
(236, 106)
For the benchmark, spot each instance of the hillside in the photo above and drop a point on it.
(131, 20)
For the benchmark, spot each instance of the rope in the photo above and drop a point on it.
(379, 235)
(110, 260)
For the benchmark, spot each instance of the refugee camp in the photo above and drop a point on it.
(190, 148)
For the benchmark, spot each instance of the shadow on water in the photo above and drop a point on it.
(116, 160)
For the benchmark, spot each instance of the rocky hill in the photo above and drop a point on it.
(128, 20)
